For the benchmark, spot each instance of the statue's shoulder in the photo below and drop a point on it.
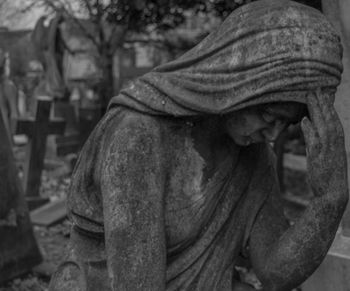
(134, 118)
(141, 123)
(123, 121)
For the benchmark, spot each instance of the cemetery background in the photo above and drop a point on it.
(139, 54)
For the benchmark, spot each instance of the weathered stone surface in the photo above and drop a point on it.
(334, 272)
(338, 13)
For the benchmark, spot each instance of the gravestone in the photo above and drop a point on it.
(334, 272)
(49, 214)
(18, 249)
(37, 130)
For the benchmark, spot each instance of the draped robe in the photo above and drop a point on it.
(140, 172)
(207, 221)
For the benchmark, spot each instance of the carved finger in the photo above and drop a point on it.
(310, 135)
(329, 132)
(334, 126)
(337, 128)
(316, 115)
(325, 101)
(336, 121)
(340, 129)
(325, 104)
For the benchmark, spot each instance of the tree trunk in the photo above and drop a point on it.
(108, 86)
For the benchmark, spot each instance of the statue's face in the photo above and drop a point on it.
(262, 123)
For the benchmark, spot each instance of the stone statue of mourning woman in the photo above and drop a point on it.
(8, 95)
(176, 187)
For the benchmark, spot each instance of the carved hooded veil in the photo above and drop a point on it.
(277, 47)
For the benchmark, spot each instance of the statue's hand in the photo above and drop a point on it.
(324, 138)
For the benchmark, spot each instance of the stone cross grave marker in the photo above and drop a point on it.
(37, 130)
(18, 248)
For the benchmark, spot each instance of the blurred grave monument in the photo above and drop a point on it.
(18, 249)
(71, 61)
(334, 272)
(75, 71)
(8, 93)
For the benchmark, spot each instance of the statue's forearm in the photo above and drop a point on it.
(132, 184)
(300, 250)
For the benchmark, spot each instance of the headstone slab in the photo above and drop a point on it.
(49, 214)
(18, 249)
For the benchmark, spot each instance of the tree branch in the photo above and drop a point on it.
(13, 12)
(29, 7)
(89, 8)
(69, 5)
(99, 15)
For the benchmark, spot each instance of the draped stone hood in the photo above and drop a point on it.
(265, 51)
